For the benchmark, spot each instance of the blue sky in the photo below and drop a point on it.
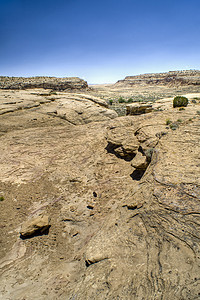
(100, 41)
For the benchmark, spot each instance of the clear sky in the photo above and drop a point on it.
(99, 41)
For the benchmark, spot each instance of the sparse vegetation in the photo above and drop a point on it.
(182, 108)
(173, 126)
(121, 100)
(1, 198)
(179, 120)
(148, 153)
(130, 100)
(180, 101)
(168, 121)
(198, 112)
(110, 102)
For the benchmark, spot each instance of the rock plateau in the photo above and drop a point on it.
(120, 197)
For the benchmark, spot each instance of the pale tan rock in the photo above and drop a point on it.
(123, 140)
(139, 161)
(138, 109)
(34, 225)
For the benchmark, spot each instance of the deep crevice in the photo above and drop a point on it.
(110, 148)
(88, 262)
(137, 174)
(141, 150)
(90, 207)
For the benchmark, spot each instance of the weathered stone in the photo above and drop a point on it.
(32, 226)
(138, 109)
(123, 140)
(139, 161)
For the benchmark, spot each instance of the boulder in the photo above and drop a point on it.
(138, 109)
(139, 161)
(35, 225)
(123, 141)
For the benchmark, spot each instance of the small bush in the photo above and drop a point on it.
(198, 112)
(180, 101)
(110, 102)
(130, 100)
(1, 198)
(148, 153)
(182, 108)
(168, 121)
(121, 100)
(179, 120)
(173, 126)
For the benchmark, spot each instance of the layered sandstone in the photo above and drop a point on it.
(54, 83)
(172, 78)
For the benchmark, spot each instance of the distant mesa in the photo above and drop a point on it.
(60, 84)
(172, 78)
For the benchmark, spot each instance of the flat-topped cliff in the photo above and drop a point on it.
(42, 82)
(172, 78)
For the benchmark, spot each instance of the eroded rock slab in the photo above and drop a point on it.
(34, 226)
(114, 234)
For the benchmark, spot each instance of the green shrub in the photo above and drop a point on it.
(198, 112)
(179, 120)
(181, 108)
(121, 100)
(168, 121)
(180, 101)
(130, 100)
(1, 198)
(173, 126)
(110, 102)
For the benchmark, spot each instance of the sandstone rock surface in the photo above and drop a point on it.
(117, 231)
(35, 225)
(72, 107)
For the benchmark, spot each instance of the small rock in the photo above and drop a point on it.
(35, 225)
(139, 161)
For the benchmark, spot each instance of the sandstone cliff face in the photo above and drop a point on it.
(121, 199)
(170, 78)
(42, 82)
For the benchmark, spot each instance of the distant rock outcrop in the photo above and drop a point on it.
(138, 109)
(172, 78)
(21, 83)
